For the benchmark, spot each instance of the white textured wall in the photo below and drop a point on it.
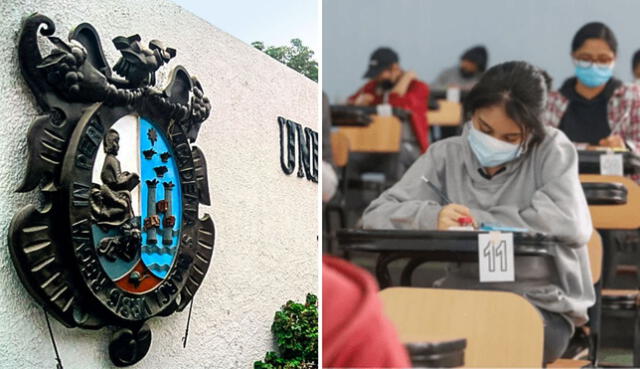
(266, 248)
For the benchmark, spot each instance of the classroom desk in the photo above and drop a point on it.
(368, 132)
(360, 116)
(589, 161)
(492, 322)
(449, 114)
(425, 246)
(620, 216)
(383, 135)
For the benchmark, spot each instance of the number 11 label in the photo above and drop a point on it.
(495, 257)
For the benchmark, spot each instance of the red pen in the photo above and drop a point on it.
(465, 221)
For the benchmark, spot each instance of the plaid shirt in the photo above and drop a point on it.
(623, 113)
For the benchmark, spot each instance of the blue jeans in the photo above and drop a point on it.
(557, 333)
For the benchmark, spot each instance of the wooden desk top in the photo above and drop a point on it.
(383, 135)
(449, 114)
(624, 216)
(339, 149)
(502, 329)
(595, 256)
(569, 363)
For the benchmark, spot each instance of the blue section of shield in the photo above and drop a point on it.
(159, 257)
(115, 269)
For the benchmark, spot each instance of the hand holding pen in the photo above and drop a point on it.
(451, 215)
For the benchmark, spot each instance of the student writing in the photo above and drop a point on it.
(506, 168)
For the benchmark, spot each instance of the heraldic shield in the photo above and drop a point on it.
(117, 239)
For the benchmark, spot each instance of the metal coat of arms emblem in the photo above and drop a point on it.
(117, 239)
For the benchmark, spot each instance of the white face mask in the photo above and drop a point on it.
(490, 151)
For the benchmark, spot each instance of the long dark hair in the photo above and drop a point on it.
(521, 88)
(596, 30)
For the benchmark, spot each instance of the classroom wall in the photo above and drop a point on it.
(266, 222)
(430, 35)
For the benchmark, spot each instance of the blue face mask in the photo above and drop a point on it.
(594, 75)
(490, 151)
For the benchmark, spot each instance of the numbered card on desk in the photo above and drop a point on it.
(495, 257)
(384, 110)
(611, 164)
(453, 94)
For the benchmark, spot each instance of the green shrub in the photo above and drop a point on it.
(295, 328)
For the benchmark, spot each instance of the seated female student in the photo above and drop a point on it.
(593, 106)
(506, 168)
(596, 108)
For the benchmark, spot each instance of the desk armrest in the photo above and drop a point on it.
(443, 354)
(351, 115)
(451, 242)
(599, 193)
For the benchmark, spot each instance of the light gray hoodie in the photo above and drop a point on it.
(452, 76)
(540, 191)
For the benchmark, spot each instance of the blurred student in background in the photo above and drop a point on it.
(635, 67)
(593, 106)
(329, 177)
(467, 73)
(390, 84)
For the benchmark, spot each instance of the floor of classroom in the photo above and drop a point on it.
(616, 356)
